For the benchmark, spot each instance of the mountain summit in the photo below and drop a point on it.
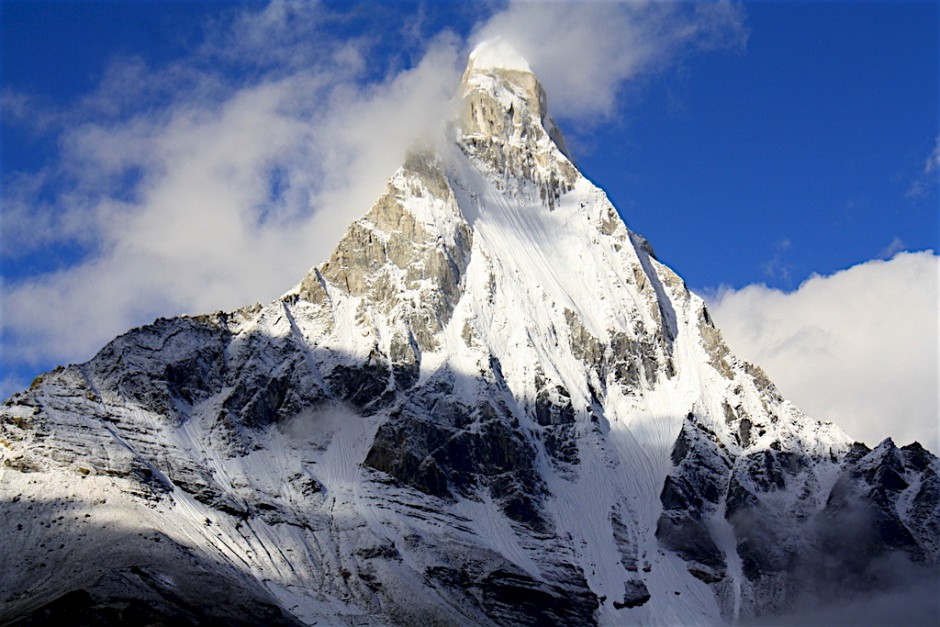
(490, 405)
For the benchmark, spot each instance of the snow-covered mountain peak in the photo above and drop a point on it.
(491, 405)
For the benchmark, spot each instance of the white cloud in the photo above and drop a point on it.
(208, 202)
(585, 52)
(858, 348)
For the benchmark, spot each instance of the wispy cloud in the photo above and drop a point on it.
(922, 186)
(896, 246)
(777, 267)
(170, 197)
(917, 189)
(932, 166)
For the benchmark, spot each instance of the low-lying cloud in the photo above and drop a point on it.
(858, 348)
(850, 569)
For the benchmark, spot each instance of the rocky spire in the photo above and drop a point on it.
(504, 120)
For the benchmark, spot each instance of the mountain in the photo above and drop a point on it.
(490, 405)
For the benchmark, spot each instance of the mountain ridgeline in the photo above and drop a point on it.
(491, 405)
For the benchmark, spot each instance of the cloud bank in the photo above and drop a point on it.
(858, 348)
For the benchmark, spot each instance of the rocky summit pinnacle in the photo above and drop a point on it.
(490, 405)
(505, 112)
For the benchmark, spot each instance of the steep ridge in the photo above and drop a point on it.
(490, 405)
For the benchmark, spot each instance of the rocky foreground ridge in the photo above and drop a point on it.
(491, 405)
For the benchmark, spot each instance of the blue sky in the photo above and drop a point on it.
(803, 152)
(161, 158)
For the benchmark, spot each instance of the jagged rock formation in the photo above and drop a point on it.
(490, 405)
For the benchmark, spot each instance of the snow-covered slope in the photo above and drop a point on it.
(490, 405)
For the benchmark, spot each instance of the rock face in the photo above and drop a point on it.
(491, 405)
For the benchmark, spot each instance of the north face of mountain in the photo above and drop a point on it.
(490, 405)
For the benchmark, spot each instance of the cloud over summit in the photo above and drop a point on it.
(586, 53)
